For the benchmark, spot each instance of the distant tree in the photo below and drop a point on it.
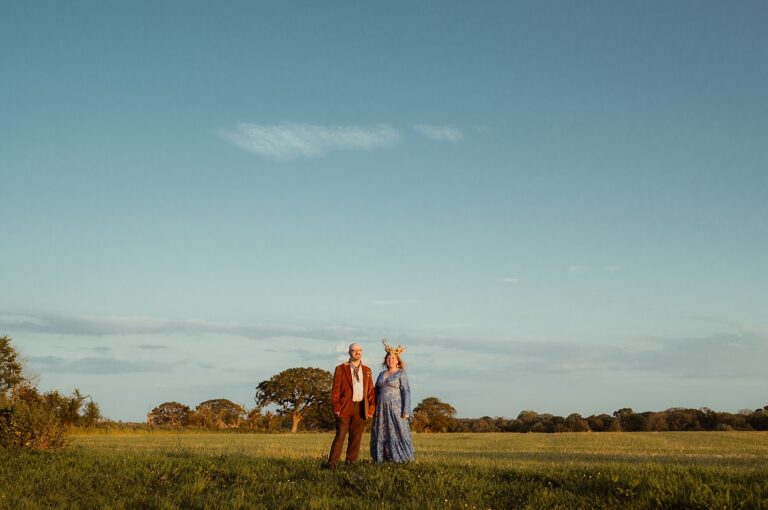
(503, 424)
(169, 413)
(631, 421)
(625, 417)
(526, 420)
(70, 410)
(320, 416)
(549, 423)
(637, 422)
(254, 420)
(220, 413)
(92, 414)
(484, 424)
(557, 424)
(759, 419)
(458, 425)
(575, 423)
(679, 418)
(433, 415)
(297, 391)
(10, 367)
(728, 421)
(600, 422)
(708, 419)
(656, 422)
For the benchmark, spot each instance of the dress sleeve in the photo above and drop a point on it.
(405, 394)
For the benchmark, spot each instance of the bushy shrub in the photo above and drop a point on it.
(28, 421)
(32, 420)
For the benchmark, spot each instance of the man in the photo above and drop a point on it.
(353, 403)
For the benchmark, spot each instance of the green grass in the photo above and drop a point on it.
(586, 470)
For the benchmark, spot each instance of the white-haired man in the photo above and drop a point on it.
(353, 403)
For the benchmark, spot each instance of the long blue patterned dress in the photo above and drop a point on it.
(391, 434)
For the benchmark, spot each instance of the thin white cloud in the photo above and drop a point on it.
(92, 365)
(296, 140)
(510, 280)
(579, 269)
(96, 326)
(736, 354)
(450, 134)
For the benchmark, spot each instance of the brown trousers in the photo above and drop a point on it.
(355, 425)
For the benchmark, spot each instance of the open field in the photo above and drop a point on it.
(581, 470)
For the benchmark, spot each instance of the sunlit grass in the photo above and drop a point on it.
(491, 449)
(580, 470)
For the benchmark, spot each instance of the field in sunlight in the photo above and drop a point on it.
(580, 470)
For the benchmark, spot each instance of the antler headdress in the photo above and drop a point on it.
(392, 350)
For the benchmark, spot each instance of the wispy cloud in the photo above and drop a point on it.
(108, 366)
(297, 140)
(724, 355)
(449, 134)
(510, 280)
(98, 326)
(737, 355)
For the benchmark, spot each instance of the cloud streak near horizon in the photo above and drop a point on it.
(139, 325)
(94, 365)
(717, 355)
(291, 140)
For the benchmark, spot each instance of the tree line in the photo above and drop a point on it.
(432, 415)
(300, 398)
(302, 395)
(299, 395)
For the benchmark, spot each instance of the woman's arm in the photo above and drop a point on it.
(405, 396)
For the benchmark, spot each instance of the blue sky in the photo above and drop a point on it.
(555, 206)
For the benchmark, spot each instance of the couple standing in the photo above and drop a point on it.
(355, 398)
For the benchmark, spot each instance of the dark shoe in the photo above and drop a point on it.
(329, 466)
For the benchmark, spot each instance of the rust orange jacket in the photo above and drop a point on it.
(341, 393)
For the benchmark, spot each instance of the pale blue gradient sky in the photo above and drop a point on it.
(555, 206)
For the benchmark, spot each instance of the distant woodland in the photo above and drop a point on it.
(432, 415)
(299, 399)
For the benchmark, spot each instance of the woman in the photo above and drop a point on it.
(391, 431)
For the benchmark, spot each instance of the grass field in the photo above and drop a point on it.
(581, 470)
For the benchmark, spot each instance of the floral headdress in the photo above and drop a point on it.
(392, 350)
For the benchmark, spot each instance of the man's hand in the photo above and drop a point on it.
(405, 416)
